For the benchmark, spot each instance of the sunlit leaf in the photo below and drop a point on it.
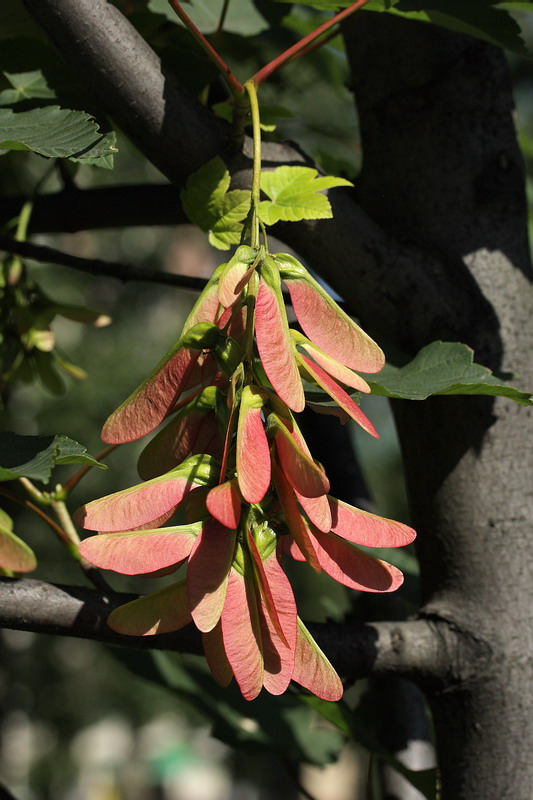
(443, 368)
(295, 194)
(208, 203)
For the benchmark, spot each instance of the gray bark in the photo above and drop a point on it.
(442, 167)
(436, 247)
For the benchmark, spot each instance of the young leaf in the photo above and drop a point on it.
(295, 194)
(208, 203)
(34, 457)
(443, 368)
(163, 611)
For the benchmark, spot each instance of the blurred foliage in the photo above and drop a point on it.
(64, 684)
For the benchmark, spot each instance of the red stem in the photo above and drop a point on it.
(36, 510)
(235, 86)
(318, 43)
(302, 45)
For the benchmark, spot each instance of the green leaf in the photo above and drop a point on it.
(25, 86)
(56, 133)
(295, 194)
(443, 368)
(242, 16)
(208, 203)
(34, 457)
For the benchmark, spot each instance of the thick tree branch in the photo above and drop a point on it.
(397, 290)
(72, 210)
(425, 650)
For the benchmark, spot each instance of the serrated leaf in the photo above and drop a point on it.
(54, 132)
(443, 368)
(94, 156)
(34, 457)
(208, 203)
(25, 86)
(295, 194)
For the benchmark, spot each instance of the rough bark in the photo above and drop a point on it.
(436, 248)
(442, 167)
(424, 648)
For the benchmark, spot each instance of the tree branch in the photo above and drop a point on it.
(420, 649)
(165, 120)
(72, 210)
(397, 290)
(95, 266)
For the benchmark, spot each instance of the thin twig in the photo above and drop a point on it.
(36, 510)
(94, 266)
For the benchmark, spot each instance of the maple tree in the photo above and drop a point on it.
(233, 453)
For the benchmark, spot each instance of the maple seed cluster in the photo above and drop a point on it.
(232, 459)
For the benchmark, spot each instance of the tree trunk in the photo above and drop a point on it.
(442, 168)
